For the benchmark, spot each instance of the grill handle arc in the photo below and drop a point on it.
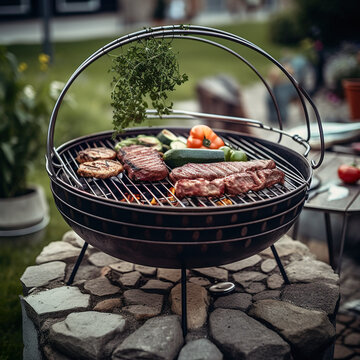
(194, 32)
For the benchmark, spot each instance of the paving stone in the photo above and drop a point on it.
(344, 318)
(287, 246)
(122, 267)
(201, 349)
(199, 281)
(309, 271)
(101, 259)
(239, 301)
(342, 352)
(84, 272)
(318, 296)
(352, 339)
(56, 302)
(268, 294)
(52, 354)
(255, 288)
(173, 275)
(268, 265)
(139, 297)
(101, 286)
(197, 301)
(243, 264)
(244, 278)
(159, 338)
(146, 270)
(339, 328)
(130, 279)
(274, 281)
(157, 286)
(214, 273)
(41, 275)
(74, 239)
(108, 305)
(307, 330)
(238, 336)
(142, 312)
(86, 333)
(105, 270)
(57, 251)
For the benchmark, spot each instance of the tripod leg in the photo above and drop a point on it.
(280, 265)
(183, 301)
(77, 264)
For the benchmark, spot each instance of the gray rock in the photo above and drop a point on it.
(199, 281)
(159, 338)
(74, 239)
(268, 294)
(306, 330)
(201, 349)
(101, 286)
(214, 273)
(239, 336)
(239, 301)
(146, 270)
(56, 302)
(122, 267)
(318, 296)
(84, 272)
(139, 297)
(197, 301)
(101, 259)
(57, 250)
(243, 264)
(309, 271)
(157, 286)
(244, 278)
(173, 275)
(255, 288)
(142, 312)
(108, 305)
(41, 275)
(86, 334)
(52, 354)
(268, 265)
(274, 281)
(129, 279)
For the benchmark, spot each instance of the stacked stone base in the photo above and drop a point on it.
(119, 310)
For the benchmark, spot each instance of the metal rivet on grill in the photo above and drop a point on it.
(168, 235)
(185, 220)
(158, 220)
(288, 203)
(282, 219)
(196, 235)
(234, 218)
(247, 243)
(227, 247)
(209, 220)
(244, 231)
(179, 249)
(263, 226)
(204, 248)
(255, 214)
(222, 288)
(274, 209)
(219, 235)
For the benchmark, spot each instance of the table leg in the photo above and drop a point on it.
(329, 239)
(342, 242)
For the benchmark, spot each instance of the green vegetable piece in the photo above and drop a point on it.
(126, 142)
(238, 155)
(227, 152)
(177, 144)
(166, 137)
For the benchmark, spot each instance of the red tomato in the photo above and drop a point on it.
(349, 174)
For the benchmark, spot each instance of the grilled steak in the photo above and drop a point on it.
(218, 170)
(101, 169)
(92, 154)
(142, 163)
(199, 187)
(233, 184)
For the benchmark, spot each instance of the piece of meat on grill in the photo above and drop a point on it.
(199, 187)
(91, 154)
(252, 180)
(101, 169)
(142, 163)
(213, 171)
(234, 184)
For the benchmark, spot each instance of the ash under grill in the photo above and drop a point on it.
(122, 189)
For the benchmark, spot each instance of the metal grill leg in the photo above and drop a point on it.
(183, 301)
(329, 239)
(342, 242)
(280, 265)
(77, 264)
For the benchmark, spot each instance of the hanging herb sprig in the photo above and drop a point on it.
(148, 69)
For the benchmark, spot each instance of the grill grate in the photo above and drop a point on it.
(122, 188)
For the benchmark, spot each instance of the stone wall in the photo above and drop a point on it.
(119, 310)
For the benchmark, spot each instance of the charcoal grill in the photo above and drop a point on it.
(146, 223)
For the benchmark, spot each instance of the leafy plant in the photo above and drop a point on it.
(147, 69)
(24, 110)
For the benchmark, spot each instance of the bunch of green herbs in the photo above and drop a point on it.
(147, 69)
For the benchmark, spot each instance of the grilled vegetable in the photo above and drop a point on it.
(203, 137)
(233, 155)
(178, 157)
(126, 142)
(150, 141)
(166, 137)
(177, 144)
(227, 152)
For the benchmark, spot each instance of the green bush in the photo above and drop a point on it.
(285, 29)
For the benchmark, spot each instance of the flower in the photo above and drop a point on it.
(22, 67)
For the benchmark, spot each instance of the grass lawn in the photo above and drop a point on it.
(92, 113)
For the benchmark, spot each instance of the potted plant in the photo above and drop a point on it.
(24, 110)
